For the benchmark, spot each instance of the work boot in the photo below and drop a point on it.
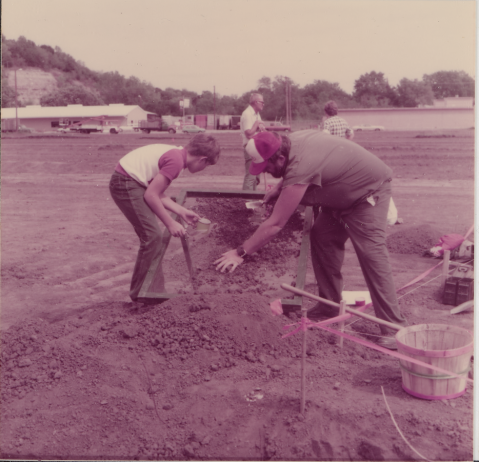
(388, 342)
(321, 311)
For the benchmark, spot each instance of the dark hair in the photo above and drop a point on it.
(202, 145)
(283, 150)
(331, 108)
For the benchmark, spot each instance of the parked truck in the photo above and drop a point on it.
(235, 122)
(201, 120)
(155, 126)
(155, 123)
(223, 122)
(9, 125)
(87, 126)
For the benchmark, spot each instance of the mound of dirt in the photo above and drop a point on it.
(413, 239)
(208, 378)
(185, 328)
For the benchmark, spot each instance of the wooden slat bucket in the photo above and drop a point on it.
(447, 347)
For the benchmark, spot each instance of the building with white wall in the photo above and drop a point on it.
(48, 118)
(421, 118)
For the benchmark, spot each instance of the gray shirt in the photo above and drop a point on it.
(339, 172)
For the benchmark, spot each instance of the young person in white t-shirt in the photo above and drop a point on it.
(138, 188)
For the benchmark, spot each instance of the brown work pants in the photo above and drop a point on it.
(365, 225)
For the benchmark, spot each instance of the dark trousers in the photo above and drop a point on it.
(250, 181)
(128, 195)
(365, 225)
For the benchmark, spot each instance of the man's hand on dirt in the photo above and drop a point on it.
(230, 258)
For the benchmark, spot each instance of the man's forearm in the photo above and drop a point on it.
(252, 131)
(265, 233)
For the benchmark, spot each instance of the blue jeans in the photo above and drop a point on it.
(366, 225)
(250, 181)
(128, 195)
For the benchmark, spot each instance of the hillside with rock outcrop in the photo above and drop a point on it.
(34, 83)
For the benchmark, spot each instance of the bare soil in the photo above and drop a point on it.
(87, 374)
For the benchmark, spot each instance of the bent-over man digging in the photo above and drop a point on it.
(353, 188)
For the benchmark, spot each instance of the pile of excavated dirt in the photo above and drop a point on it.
(413, 239)
(209, 378)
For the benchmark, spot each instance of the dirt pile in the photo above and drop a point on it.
(241, 327)
(208, 378)
(413, 239)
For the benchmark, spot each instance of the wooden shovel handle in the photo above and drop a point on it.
(348, 309)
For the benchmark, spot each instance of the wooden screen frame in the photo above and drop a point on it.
(149, 292)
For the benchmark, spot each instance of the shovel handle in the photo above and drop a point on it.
(309, 295)
(348, 310)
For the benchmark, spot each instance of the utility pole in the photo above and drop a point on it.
(214, 107)
(16, 101)
(288, 102)
(289, 114)
(290, 110)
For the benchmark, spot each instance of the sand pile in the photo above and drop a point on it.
(413, 239)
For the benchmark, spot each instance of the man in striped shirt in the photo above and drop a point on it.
(335, 125)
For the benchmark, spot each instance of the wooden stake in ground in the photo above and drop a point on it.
(303, 360)
(445, 267)
(342, 310)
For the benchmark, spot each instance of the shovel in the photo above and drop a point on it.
(347, 309)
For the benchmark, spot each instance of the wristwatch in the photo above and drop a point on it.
(241, 251)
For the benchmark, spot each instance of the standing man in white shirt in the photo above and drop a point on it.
(251, 124)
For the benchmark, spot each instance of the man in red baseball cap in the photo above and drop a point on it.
(353, 188)
(261, 148)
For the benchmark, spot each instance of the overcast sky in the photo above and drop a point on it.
(230, 45)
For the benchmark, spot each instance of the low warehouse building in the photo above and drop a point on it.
(445, 114)
(48, 118)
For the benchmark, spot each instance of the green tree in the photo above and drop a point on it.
(169, 103)
(450, 83)
(412, 93)
(205, 103)
(315, 95)
(265, 83)
(373, 90)
(275, 108)
(242, 102)
(71, 94)
(227, 105)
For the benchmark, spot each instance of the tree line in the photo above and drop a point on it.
(99, 88)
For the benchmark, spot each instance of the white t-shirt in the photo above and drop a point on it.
(143, 164)
(248, 118)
